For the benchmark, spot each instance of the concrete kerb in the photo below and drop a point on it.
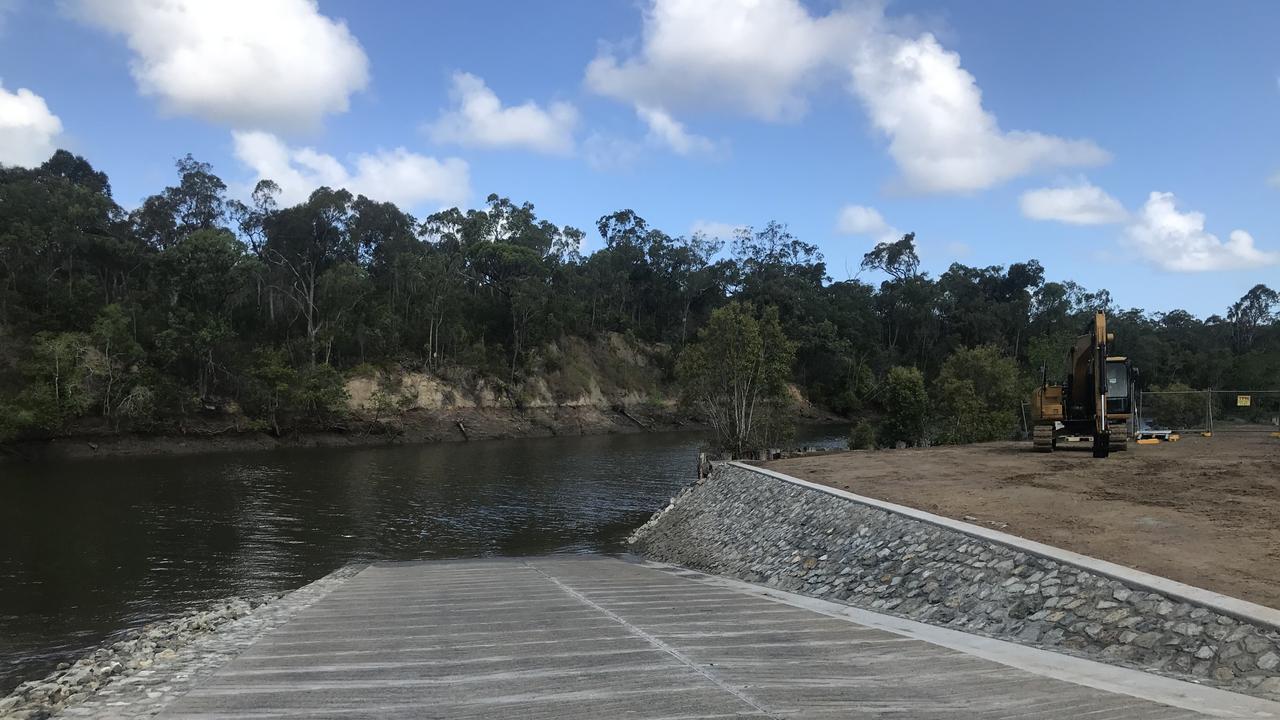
(1230, 606)
(1135, 683)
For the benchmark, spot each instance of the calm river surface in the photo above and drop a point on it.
(92, 548)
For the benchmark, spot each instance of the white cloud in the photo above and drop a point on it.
(863, 220)
(758, 57)
(399, 176)
(1077, 204)
(1177, 241)
(1274, 180)
(766, 57)
(940, 135)
(611, 152)
(480, 120)
(714, 229)
(245, 63)
(667, 131)
(28, 130)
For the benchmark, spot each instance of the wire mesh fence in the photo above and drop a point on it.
(1209, 410)
(1245, 410)
(1180, 411)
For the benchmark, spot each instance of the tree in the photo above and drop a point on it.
(897, 258)
(978, 394)
(58, 388)
(302, 243)
(112, 364)
(906, 407)
(197, 202)
(1255, 309)
(201, 281)
(736, 375)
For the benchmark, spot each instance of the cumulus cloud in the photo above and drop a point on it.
(28, 130)
(714, 229)
(667, 131)
(480, 120)
(1077, 204)
(1177, 241)
(245, 63)
(766, 57)
(864, 220)
(940, 135)
(757, 57)
(399, 176)
(603, 151)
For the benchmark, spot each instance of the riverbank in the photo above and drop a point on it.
(415, 427)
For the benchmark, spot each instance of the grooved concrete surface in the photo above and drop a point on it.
(602, 638)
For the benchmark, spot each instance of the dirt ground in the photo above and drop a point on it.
(1203, 511)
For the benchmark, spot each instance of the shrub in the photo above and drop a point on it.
(978, 396)
(906, 407)
(862, 436)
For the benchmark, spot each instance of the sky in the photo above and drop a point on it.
(1128, 146)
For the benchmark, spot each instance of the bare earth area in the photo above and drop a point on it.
(1202, 511)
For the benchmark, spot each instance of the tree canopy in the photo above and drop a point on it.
(197, 301)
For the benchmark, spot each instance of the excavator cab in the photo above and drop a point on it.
(1119, 387)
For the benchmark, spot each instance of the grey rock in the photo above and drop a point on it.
(1255, 644)
(1147, 640)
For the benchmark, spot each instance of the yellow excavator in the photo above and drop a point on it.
(1094, 404)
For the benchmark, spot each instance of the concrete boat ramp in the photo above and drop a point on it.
(595, 637)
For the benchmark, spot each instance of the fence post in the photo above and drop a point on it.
(1210, 400)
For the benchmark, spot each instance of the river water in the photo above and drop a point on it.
(92, 548)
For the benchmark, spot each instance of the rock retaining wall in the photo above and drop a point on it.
(763, 528)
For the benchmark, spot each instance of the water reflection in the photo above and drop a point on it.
(90, 549)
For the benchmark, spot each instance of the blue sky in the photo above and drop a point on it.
(998, 132)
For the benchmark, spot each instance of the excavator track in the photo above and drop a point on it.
(1119, 437)
(1042, 438)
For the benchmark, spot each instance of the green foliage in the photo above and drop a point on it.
(906, 407)
(58, 388)
(897, 258)
(287, 398)
(736, 374)
(978, 395)
(1176, 406)
(194, 304)
(862, 436)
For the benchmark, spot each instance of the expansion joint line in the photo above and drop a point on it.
(664, 647)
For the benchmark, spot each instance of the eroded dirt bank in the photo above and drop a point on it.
(1203, 511)
(455, 425)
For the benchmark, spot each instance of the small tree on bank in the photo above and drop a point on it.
(736, 374)
(906, 407)
(977, 392)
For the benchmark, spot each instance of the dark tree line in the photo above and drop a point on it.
(196, 301)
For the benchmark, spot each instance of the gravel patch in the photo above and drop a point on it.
(139, 675)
